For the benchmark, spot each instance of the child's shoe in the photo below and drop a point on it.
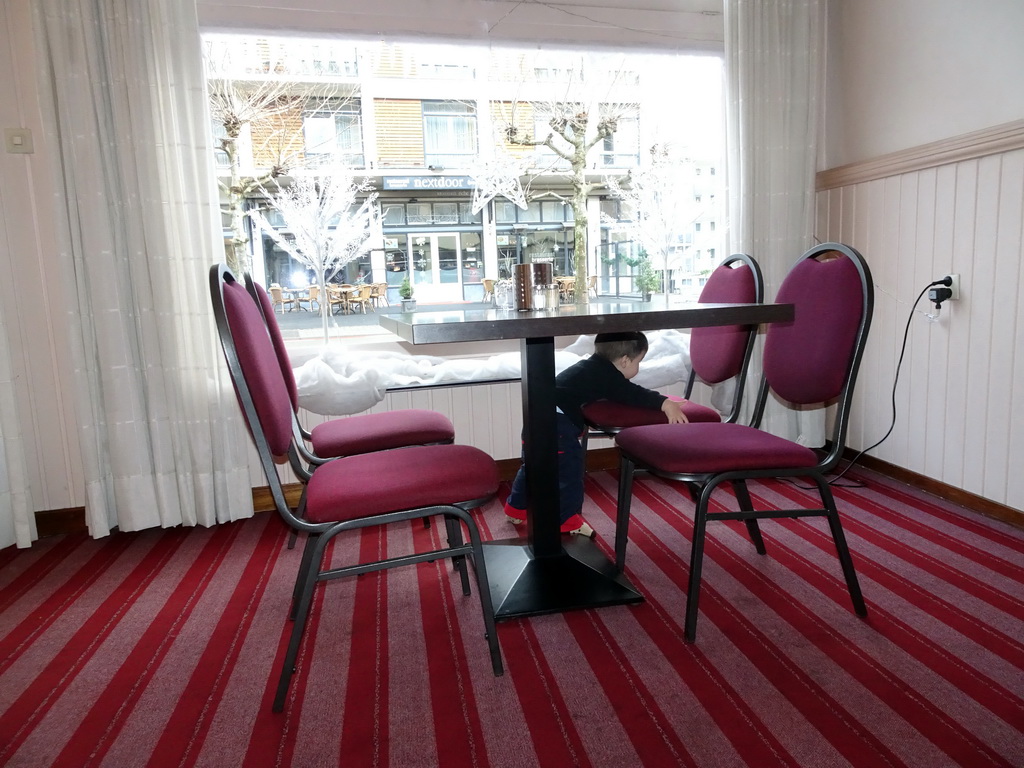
(578, 526)
(515, 516)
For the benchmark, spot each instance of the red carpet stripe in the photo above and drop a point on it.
(556, 741)
(952, 667)
(186, 732)
(1008, 648)
(45, 614)
(460, 742)
(276, 738)
(56, 677)
(810, 698)
(34, 566)
(888, 689)
(952, 550)
(365, 728)
(162, 648)
(639, 713)
(748, 734)
(935, 511)
(142, 662)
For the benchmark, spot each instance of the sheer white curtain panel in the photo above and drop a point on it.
(124, 105)
(17, 523)
(774, 64)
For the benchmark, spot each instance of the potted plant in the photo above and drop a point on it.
(647, 280)
(405, 291)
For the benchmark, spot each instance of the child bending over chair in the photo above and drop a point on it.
(605, 375)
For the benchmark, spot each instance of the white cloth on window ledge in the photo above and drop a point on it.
(338, 382)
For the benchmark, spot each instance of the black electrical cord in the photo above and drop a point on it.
(895, 381)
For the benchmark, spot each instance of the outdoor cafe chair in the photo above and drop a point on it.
(311, 297)
(338, 297)
(278, 299)
(379, 294)
(812, 360)
(362, 297)
(353, 492)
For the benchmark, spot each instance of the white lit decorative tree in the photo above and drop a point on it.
(266, 103)
(584, 113)
(333, 218)
(660, 200)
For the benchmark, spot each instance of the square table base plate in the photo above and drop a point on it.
(580, 577)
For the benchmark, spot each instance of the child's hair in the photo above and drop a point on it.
(612, 346)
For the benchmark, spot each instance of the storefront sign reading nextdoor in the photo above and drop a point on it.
(428, 182)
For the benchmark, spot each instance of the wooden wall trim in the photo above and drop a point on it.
(55, 521)
(967, 146)
(958, 496)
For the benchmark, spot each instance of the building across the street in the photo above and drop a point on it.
(449, 141)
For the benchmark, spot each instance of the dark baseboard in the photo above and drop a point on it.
(949, 493)
(51, 522)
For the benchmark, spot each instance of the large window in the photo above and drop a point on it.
(333, 134)
(449, 133)
(429, 124)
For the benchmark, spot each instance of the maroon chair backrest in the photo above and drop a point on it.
(717, 352)
(807, 360)
(260, 367)
(279, 349)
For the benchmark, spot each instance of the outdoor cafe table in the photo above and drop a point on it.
(547, 572)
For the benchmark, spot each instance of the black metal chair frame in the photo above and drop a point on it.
(707, 483)
(321, 534)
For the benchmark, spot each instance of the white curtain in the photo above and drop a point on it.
(17, 523)
(774, 63)
(123, 98)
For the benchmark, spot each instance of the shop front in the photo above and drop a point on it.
(433, 237)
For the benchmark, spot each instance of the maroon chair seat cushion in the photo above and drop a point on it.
(380, 432)
(710, 448)
(604, 414)
(369, 484)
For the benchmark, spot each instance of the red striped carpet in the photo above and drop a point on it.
(160, 648)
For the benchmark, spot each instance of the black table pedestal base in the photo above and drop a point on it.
(579, 577)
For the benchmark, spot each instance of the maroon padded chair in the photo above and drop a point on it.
(380, 488)
(352, 435)
(717, 354)
(812, 360)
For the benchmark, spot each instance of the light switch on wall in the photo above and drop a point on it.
(18, 141)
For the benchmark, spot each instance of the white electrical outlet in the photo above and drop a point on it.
(18, 141)
(954, 287)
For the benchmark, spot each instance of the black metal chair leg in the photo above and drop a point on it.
(700, 522)
(300, 512)
(484, 590)
(842, 548)
(301, 615)
(753, 529)
(622, 509)
(304, 565)
(459, 561)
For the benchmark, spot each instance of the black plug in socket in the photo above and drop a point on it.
(939, 295)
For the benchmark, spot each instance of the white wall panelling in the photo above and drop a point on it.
(960, 398)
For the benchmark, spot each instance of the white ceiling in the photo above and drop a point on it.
(682, 25)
